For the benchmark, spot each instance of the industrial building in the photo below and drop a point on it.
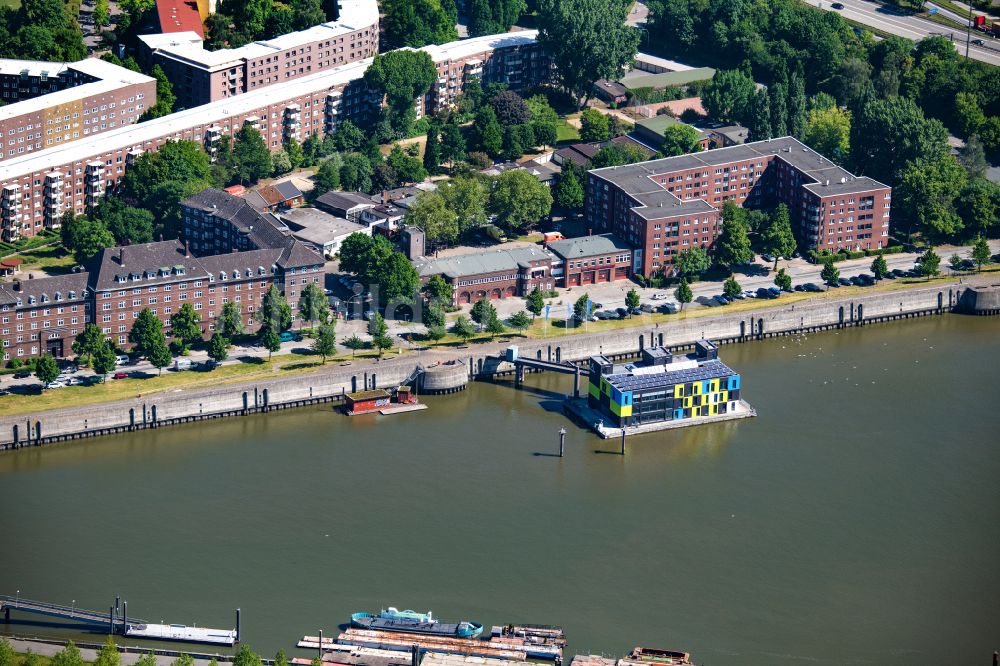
(663, 387)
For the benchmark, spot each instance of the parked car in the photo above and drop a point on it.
(668, 308)
(621, 312)
(799, 287)
(56, 384)
(866, 279)
(73, 381)
(740, 296)
(856, 281)
(22, 374)
(595, 306)
(721, 300)
(646, 307)
(122, 359)
(120, 375)
(659, 297)
(183, 364)
(767, 257)
(837, 5)
(812, 286)
(844, 282)
(290, 336)
(896, 272)
(977, 42)
(750, 293)
(774, 291)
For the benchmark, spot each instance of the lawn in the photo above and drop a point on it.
(566, 133)
(123, 389)
(13, 4)
(52, 259)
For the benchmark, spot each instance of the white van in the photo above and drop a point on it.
(183, 364)
(122, 359)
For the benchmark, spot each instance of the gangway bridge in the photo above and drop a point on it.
(119, 622)
(520, 363)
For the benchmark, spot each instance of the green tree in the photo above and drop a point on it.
(535, 302)
(582, 306)
(218, 347)
(348, 137)
(587, 40)
(159, 180)
(520, 200)
(680, 139)
(402, 76)
(731, 288)
(354, 343)
(594, 126)
(246, 657)
(777, 99)
(85, 238)
(887, 135)
(251, 157)
(434, 316)
(104, 360)
(165, 97)
(184, 660)
(379, 331)
(7, 655)
(494, 326)
(617, 155)
(432, 148)
(980, 253)
(325, 343)
(978, 205)
(31, 659)
(185, 325)
(269, 339)
(463, 328)
(126, 224)
(102, 13)
(438, 289)
(69, 655)
(482, 311)
(632, 300)
(691, 261)
(520, 320)
(972, 157)
(778, 238)
(87, 343)
(275, 311)
(759, 117)
(925, 194)
(46, 369)
(955, 262)
(231, 321)
(928, 263)
(435, 333)
(467, 197)
(280, 162)
(313, 304)
(408, 169)
(489, 131)
(160, 357)
(732, 247)
(568, 192)
(879, 266)
(327, 177)
(430, 213)
(452, 143)
(146, 334)
(417, 23)
(968, 114)
(828, 132)
(830, 274)
(684, 293)
(727, 97)
(782, 280)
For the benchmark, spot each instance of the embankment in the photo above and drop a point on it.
(450, 370)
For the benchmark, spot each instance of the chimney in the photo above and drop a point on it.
(161, 238)
(17, 284)
(121, 256)
(385, 197)
(590, 232)
(187, 249)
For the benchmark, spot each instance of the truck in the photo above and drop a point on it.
(987, 25)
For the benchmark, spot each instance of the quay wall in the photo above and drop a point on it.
(331, 382)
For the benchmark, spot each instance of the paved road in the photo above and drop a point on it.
(877, 16)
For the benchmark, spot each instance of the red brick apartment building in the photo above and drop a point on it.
(491, 275)
(665, 206)
(36, 188)
(590, 260)
(200, 76)
(45, 315)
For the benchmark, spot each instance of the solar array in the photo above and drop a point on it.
(707, 370)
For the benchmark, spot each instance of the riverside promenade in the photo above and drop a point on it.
(330, 383)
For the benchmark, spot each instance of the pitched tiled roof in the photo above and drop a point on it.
(153, 263)
(53, 289)
(588, 246)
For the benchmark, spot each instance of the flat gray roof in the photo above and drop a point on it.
(314, 225)
(588, 246)
(480, 263)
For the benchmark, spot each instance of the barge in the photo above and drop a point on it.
(409, 621)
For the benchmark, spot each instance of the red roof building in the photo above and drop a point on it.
(179, 16)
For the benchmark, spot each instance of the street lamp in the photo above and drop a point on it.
(73, 612)
(17, 600)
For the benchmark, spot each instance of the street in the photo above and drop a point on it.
(870, 13)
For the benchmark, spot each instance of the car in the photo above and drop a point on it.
(837, 5)
(967, 265)
(22, 374)
(911, 274)
(120, 375)
(750, 293)
(866, 279)
(73, 381)
(621, 312)
(889, 276)
(722, 300)
(834, 285)
(595, 305)
(763, 293)
(122, 359)
(740, 296)
(774, 291)
(977, 42)
(289, 336)
(183, 364)
(812, 286)
(646, 307)
(856, 281)
(799, 287)
(635, 311)
(601, 314)
(56, 384)
(844, 282)
(767, 257)
(667, 308)
(69, 369)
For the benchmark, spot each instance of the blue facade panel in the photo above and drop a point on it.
(678, 413)
(734, 382)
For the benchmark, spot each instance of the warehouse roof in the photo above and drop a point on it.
(480, 263)
(588, 246)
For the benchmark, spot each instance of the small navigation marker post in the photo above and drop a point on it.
(321, 645)
(623, 441)
(562, 441)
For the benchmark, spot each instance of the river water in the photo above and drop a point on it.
(854, 521)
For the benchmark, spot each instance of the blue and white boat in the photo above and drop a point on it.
(392, 619)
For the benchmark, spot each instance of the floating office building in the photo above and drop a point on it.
(664, 388)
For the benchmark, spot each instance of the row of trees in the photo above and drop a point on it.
(881, 108)
(239, 22)
(41, 30)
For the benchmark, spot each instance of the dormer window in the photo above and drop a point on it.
(58, 295)
(45, 298)
(222, 276)
(31, 300)
(72, 294)
(119, 278)
(19, 303)
(236, 275)
(135, 277)
(260, 270)
(249, 273)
